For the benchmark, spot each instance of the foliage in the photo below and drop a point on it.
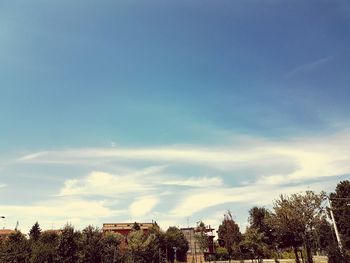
(341, 209)
(201, 237)
(259, 219)
(175, 238)
(91, 245)
(295, 218)
(229, 232)
(110, 248)
(143, 247)
(45, 250)
(222, 254)
(254, 244)
(68, 247)
(15, 249)
(136, 227)
(34, 233)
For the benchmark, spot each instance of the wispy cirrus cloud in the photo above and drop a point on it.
(171, 183)
(309, 66)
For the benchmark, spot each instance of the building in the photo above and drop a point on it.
(125, 228)
(196, 253)
(4, 233)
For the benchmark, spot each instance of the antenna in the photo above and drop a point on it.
(16, 225)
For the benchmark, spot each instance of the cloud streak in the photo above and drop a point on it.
(174, 182)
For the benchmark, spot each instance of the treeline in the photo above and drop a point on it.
(92, 246)
(298, 226)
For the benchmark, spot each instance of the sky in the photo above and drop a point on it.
(174, 111)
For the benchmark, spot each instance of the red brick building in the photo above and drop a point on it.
(125, 228)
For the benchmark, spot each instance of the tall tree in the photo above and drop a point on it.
(253, 243)
(34, 233)
(259, 219)
(201, 237)
(341, 208)
(143, 247)
(15, 249)
(91, 245)
(176, 239)
(45, 250)
(295, 218)
(230, 234)
(110, 248)
(68, 247)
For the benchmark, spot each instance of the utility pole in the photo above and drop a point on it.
(335, 225)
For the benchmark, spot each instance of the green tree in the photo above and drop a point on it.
(68, 247)
(229, 232)
(253, 243)
(340, 205)
(159, 246)
(15, 249)
(176, 239)
(143, 247)
(91, 245)
(45, 250)
(295, 218)
(201, 237)
(34, 233)
(110, 248)
(259, 220)
(221, 254)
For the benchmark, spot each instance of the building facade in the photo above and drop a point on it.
(125, 228)
(196, 252)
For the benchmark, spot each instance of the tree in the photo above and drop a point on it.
(253, 243)
(45, 250)
(325, 241)
(34, 233)
(230, 234)
(91, 245)
(295, 218)
(259, 221)
(341, 209)
(68, 247)
(143, 247)
(15, 249)
(174, 238)
(110, 248)
(221, 254)
(201, 237)
(136, 227)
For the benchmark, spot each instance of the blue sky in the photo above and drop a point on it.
(211, 102)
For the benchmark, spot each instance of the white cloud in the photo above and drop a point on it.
(57, 212)
(309, 66)
(142, 206)
(105, 184)
(171, 183)
(195, 182)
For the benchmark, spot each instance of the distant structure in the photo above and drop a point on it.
(4, 233)
(196, 253)
(125, 228)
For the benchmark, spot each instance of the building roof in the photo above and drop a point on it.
(6, 232)
(125, 226)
